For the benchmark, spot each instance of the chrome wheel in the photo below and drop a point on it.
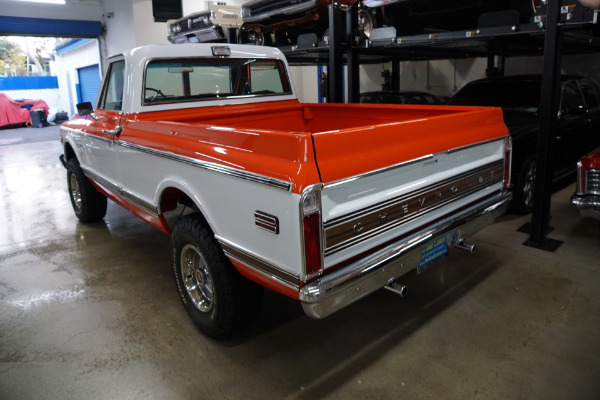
(256, 37)
(75, 191)
(197, 278)
(528, 188)
(366, 23)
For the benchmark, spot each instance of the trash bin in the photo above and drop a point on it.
(38, 118)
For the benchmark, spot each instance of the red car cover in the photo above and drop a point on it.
(17, 112)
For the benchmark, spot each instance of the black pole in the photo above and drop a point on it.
(232, 35)
(490, 71)
(395, 75)
(549, 105)
(335, 67)
(353, 61)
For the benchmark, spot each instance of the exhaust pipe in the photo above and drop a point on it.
(470, 247)
(397, 288)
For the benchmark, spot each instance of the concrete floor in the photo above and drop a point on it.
(91, 312)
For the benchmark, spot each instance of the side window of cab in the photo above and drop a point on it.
(112, 91)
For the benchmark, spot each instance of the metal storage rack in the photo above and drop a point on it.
(564, 27)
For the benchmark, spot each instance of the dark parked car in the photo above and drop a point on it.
(403, 97)
(587, 193)
(411, 17)
(519, 96)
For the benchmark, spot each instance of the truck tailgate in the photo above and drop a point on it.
(391, 135)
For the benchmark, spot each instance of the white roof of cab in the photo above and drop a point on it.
(200, 50)
(136, 58)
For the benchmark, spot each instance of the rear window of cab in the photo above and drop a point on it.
(173, 81)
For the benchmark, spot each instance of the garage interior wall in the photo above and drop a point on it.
(442, 77)
(90, 10)
(84, 56)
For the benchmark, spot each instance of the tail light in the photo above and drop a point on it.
(507, 161)
(312, 232)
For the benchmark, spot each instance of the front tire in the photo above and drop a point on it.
(216, 297)
(88, 204)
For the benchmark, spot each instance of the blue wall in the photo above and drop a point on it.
(19, 26)
(28, 82)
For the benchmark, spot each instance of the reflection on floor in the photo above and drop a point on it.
(91, 311)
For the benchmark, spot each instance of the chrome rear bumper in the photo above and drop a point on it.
(362, 277)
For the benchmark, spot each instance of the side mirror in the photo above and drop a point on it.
(85, 108)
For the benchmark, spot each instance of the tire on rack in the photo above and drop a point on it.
(258, 37)
(216, 297)
(524, 190)
(88, 204)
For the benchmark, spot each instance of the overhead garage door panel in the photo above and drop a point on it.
(89, 83)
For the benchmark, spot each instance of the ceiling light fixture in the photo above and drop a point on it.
(46, 1)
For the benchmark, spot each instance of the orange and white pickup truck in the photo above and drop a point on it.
(324, 203)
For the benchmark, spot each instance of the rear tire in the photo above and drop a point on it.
(88, 203)
(216, 297)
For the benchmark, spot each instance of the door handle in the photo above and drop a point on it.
(115, 132)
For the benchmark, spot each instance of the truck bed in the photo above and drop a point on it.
(365, 134)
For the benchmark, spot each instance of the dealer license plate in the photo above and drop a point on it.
(433, 251)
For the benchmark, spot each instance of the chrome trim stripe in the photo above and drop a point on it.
(377, 171)
(259, 264)
(359, 226)
(472, 145)
(119, 191)
(140, 203)
(404, 164)
(249, 176)
(101, 181)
